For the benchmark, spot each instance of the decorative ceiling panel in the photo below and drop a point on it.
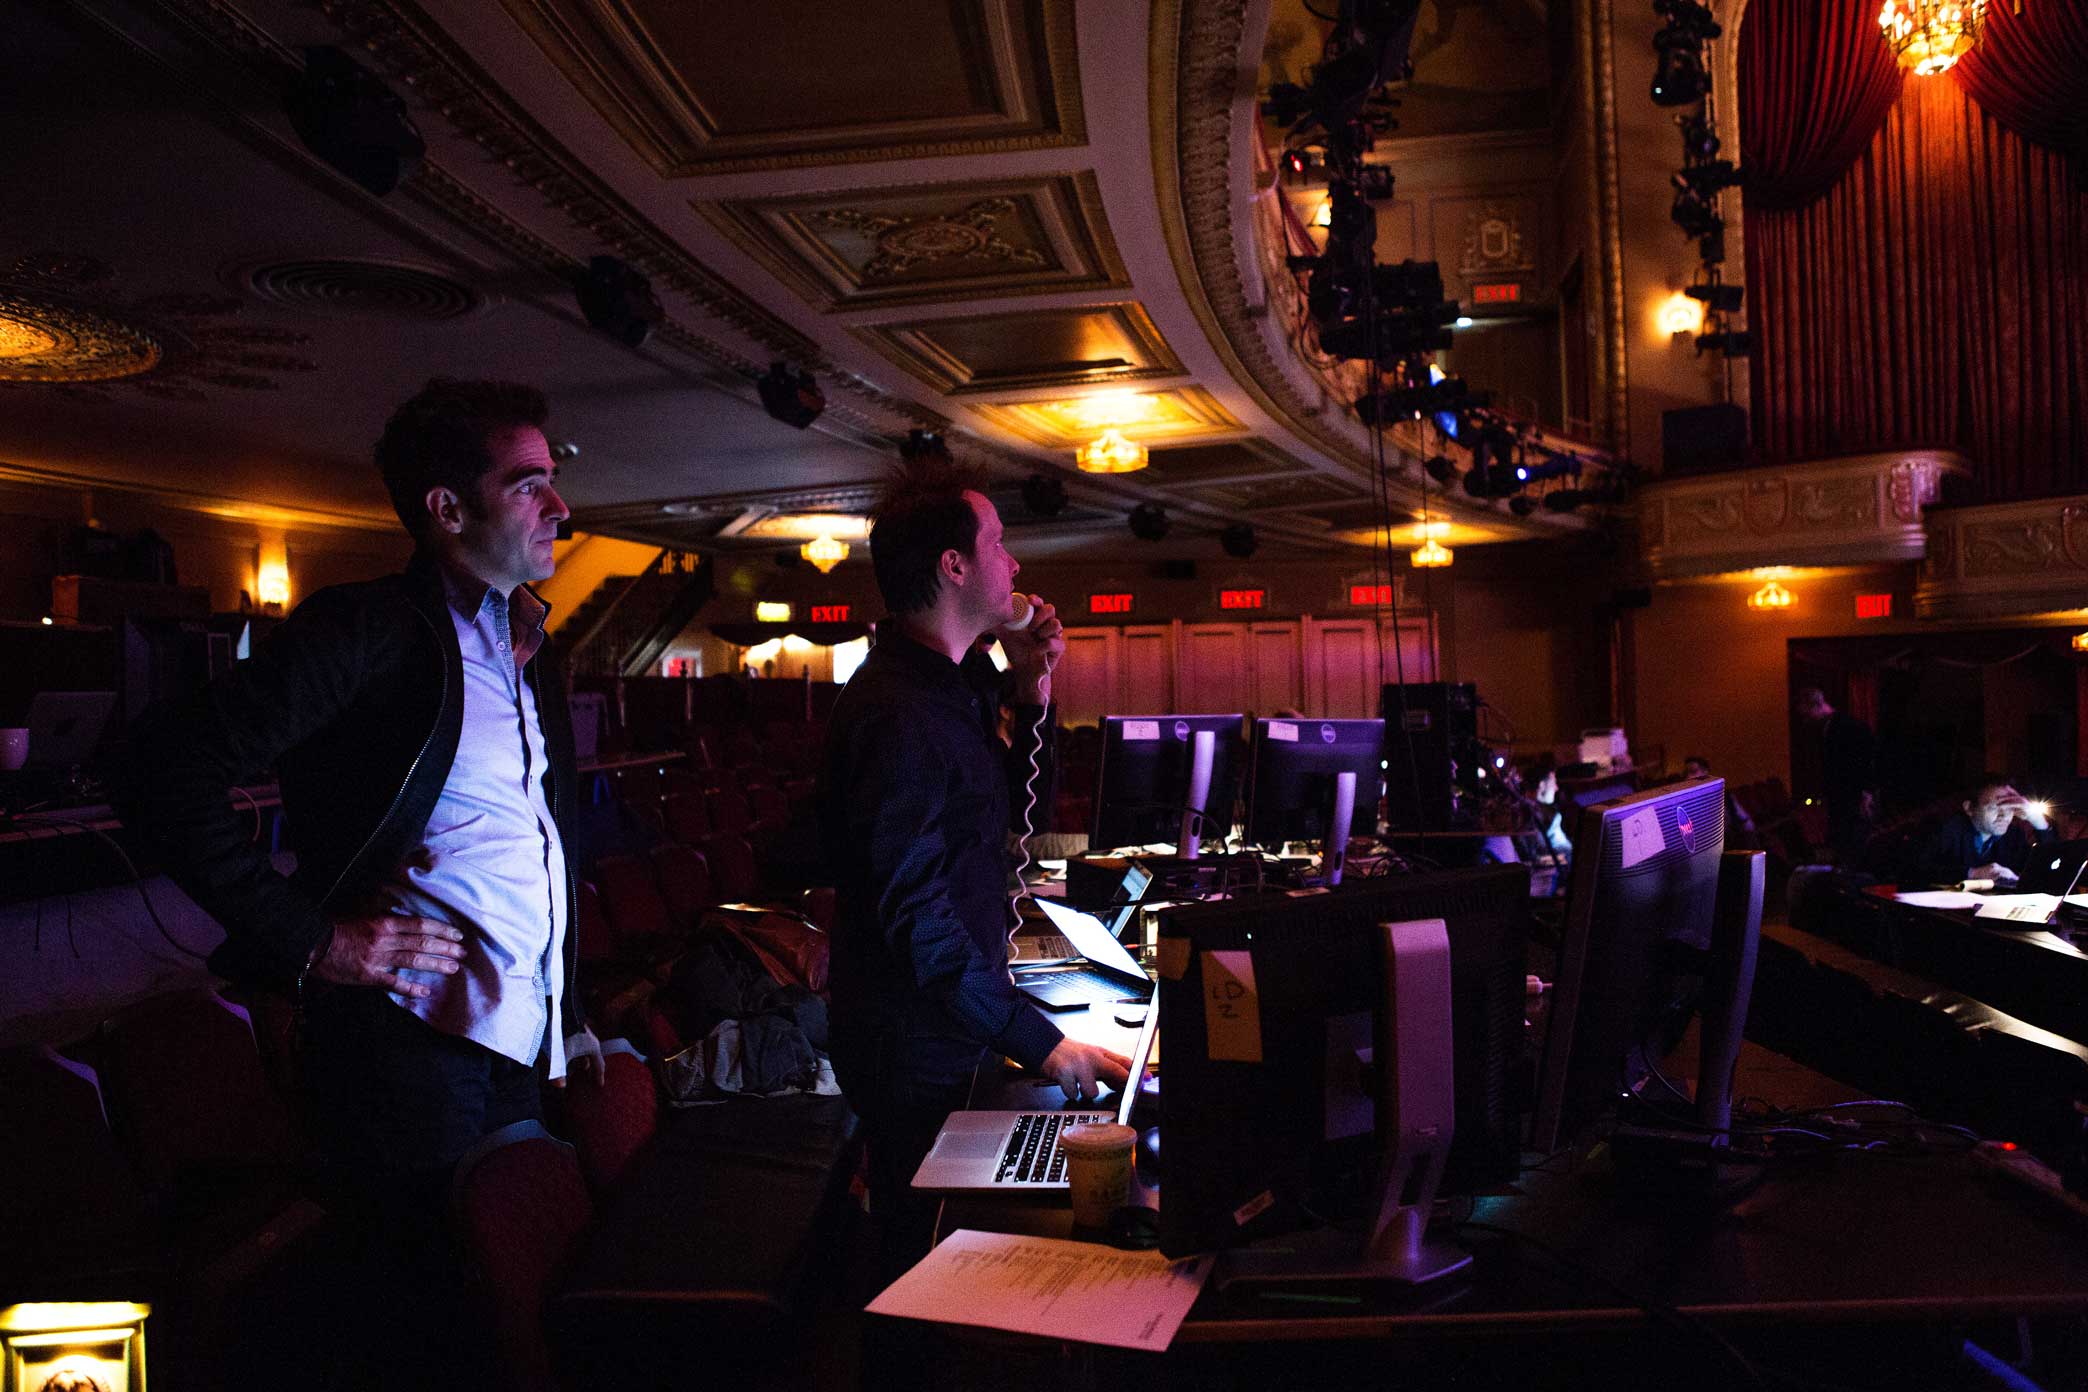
(1074, 347)
(925, 243)
(1175, 414)
(1300, 491)
(797, 82)
(1193, 466)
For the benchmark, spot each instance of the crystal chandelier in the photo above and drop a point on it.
(1431, 553)
(1111, 453)
(1929, 35)
(824, 552)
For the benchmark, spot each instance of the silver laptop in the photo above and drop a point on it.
(1001, 1152)
(1100, 972)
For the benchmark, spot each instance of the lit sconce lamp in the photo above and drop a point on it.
(1324, 217)
(771, 611)
(2080, 642)
(272, 576)
(1431, 554)
(1770, 596)
(69, 1344)
(1679, 314)
(824, 552)
(1111, 453)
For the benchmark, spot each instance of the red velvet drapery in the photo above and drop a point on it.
(1937, 294)
(2030, 71)
(1815, 83)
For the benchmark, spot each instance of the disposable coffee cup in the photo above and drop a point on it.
(14, 747)
(1098, 1169)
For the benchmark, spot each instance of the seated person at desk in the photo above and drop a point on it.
(1543, 782)
(1983, 842)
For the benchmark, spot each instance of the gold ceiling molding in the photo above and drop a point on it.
(915, 81)
(1179, 413)
(2005, 559)
(930, 243)
(1861, 510)
(207, 504)
(64, 327)
(1187, 468)
(1078, 346)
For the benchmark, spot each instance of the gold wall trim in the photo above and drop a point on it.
(2005, 560)
(601, 48)
(1860, 510)
(1609, 226)
(1181, 414)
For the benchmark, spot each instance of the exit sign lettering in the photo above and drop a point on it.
(1241, 599)
(1109, 604)
(1874, 606)
(830, 613)
(1371, 594)
(1501, 292)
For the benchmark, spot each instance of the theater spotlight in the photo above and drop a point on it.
(1678, 75)
(1522, 505)
(1441, 468)
(1564, 499)
(1699, 137)
(790, 395)
(346, 116)
(1695, 215)
(618, 300)
(1717, 298)
(1734, 341)
(923, 444)
(1148, 522)
(1707, 178)
(1239, 541)
(1044, 495)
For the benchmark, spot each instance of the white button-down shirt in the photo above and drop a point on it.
(490, 861)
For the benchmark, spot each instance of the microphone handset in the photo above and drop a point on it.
(1020, 612)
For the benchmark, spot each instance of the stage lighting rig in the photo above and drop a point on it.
(1148, 522)
(1044, 495)
(1239, 541)
(1441, 468)
(1706, 179)
(1699, 137)
(791, 395)
(617, 299)
(346, 116)
(1695, 214)
(923, 444)
(1409, 400)
(1718, 298)
(1730, 341)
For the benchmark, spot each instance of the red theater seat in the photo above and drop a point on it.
(687, 817)
(612, 1119)
(730, 811)
(638, 918)
(731, 861)
(521, 1208)
(685, 883)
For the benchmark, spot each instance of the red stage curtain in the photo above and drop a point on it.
(1937, 295)
(1815, 83)
(2030, 72)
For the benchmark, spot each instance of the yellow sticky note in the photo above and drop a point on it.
(1171, 957)
(1232, 1009)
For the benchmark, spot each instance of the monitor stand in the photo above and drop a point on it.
(1415, 1123)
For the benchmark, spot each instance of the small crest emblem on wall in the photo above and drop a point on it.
(1767, 503)
(1493, 240)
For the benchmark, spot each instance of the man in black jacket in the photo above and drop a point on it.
(917, 794)
(424, 750)
(1990, 839)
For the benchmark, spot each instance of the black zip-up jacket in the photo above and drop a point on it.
(917, 792)
(356, 701)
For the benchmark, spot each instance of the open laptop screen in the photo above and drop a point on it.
(1090, 938)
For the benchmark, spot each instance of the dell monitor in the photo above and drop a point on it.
(1144, 784)
(1273, 1113)
(1293, 787)
(1640, 916)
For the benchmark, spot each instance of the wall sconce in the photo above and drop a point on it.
(272, 576)
(824, 552)
(2080, 642)
(771, 611)
(1432, 554)
(74, 1344)
(1679, 314)
(1770, 596)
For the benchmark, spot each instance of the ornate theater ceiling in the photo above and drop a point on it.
(1012, 221)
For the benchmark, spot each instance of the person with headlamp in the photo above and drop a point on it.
(1990, 839)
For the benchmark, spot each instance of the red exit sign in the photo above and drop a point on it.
(1241, 599)
(830, 613)
(1503, 292)
(1371, 594)
(1874, 606)
(1109, 604)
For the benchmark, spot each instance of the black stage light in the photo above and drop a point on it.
(1149, 522)
(1239, 541)
(1522, 505)
(1699, 138)
(346, 116)
(1044, 495)
(1695, 215)
(1717, 298)
(1678, 74)
(1376, 181)
(1564, 499)
(922, 444)
(564, 451)
(618, 300)
(1440, 468)
(790, 395)
(1731, 341)
(1707, 178)
(1711, 246)
(1687, 20)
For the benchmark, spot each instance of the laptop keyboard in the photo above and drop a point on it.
(1033, 1155)
(1079, 984)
